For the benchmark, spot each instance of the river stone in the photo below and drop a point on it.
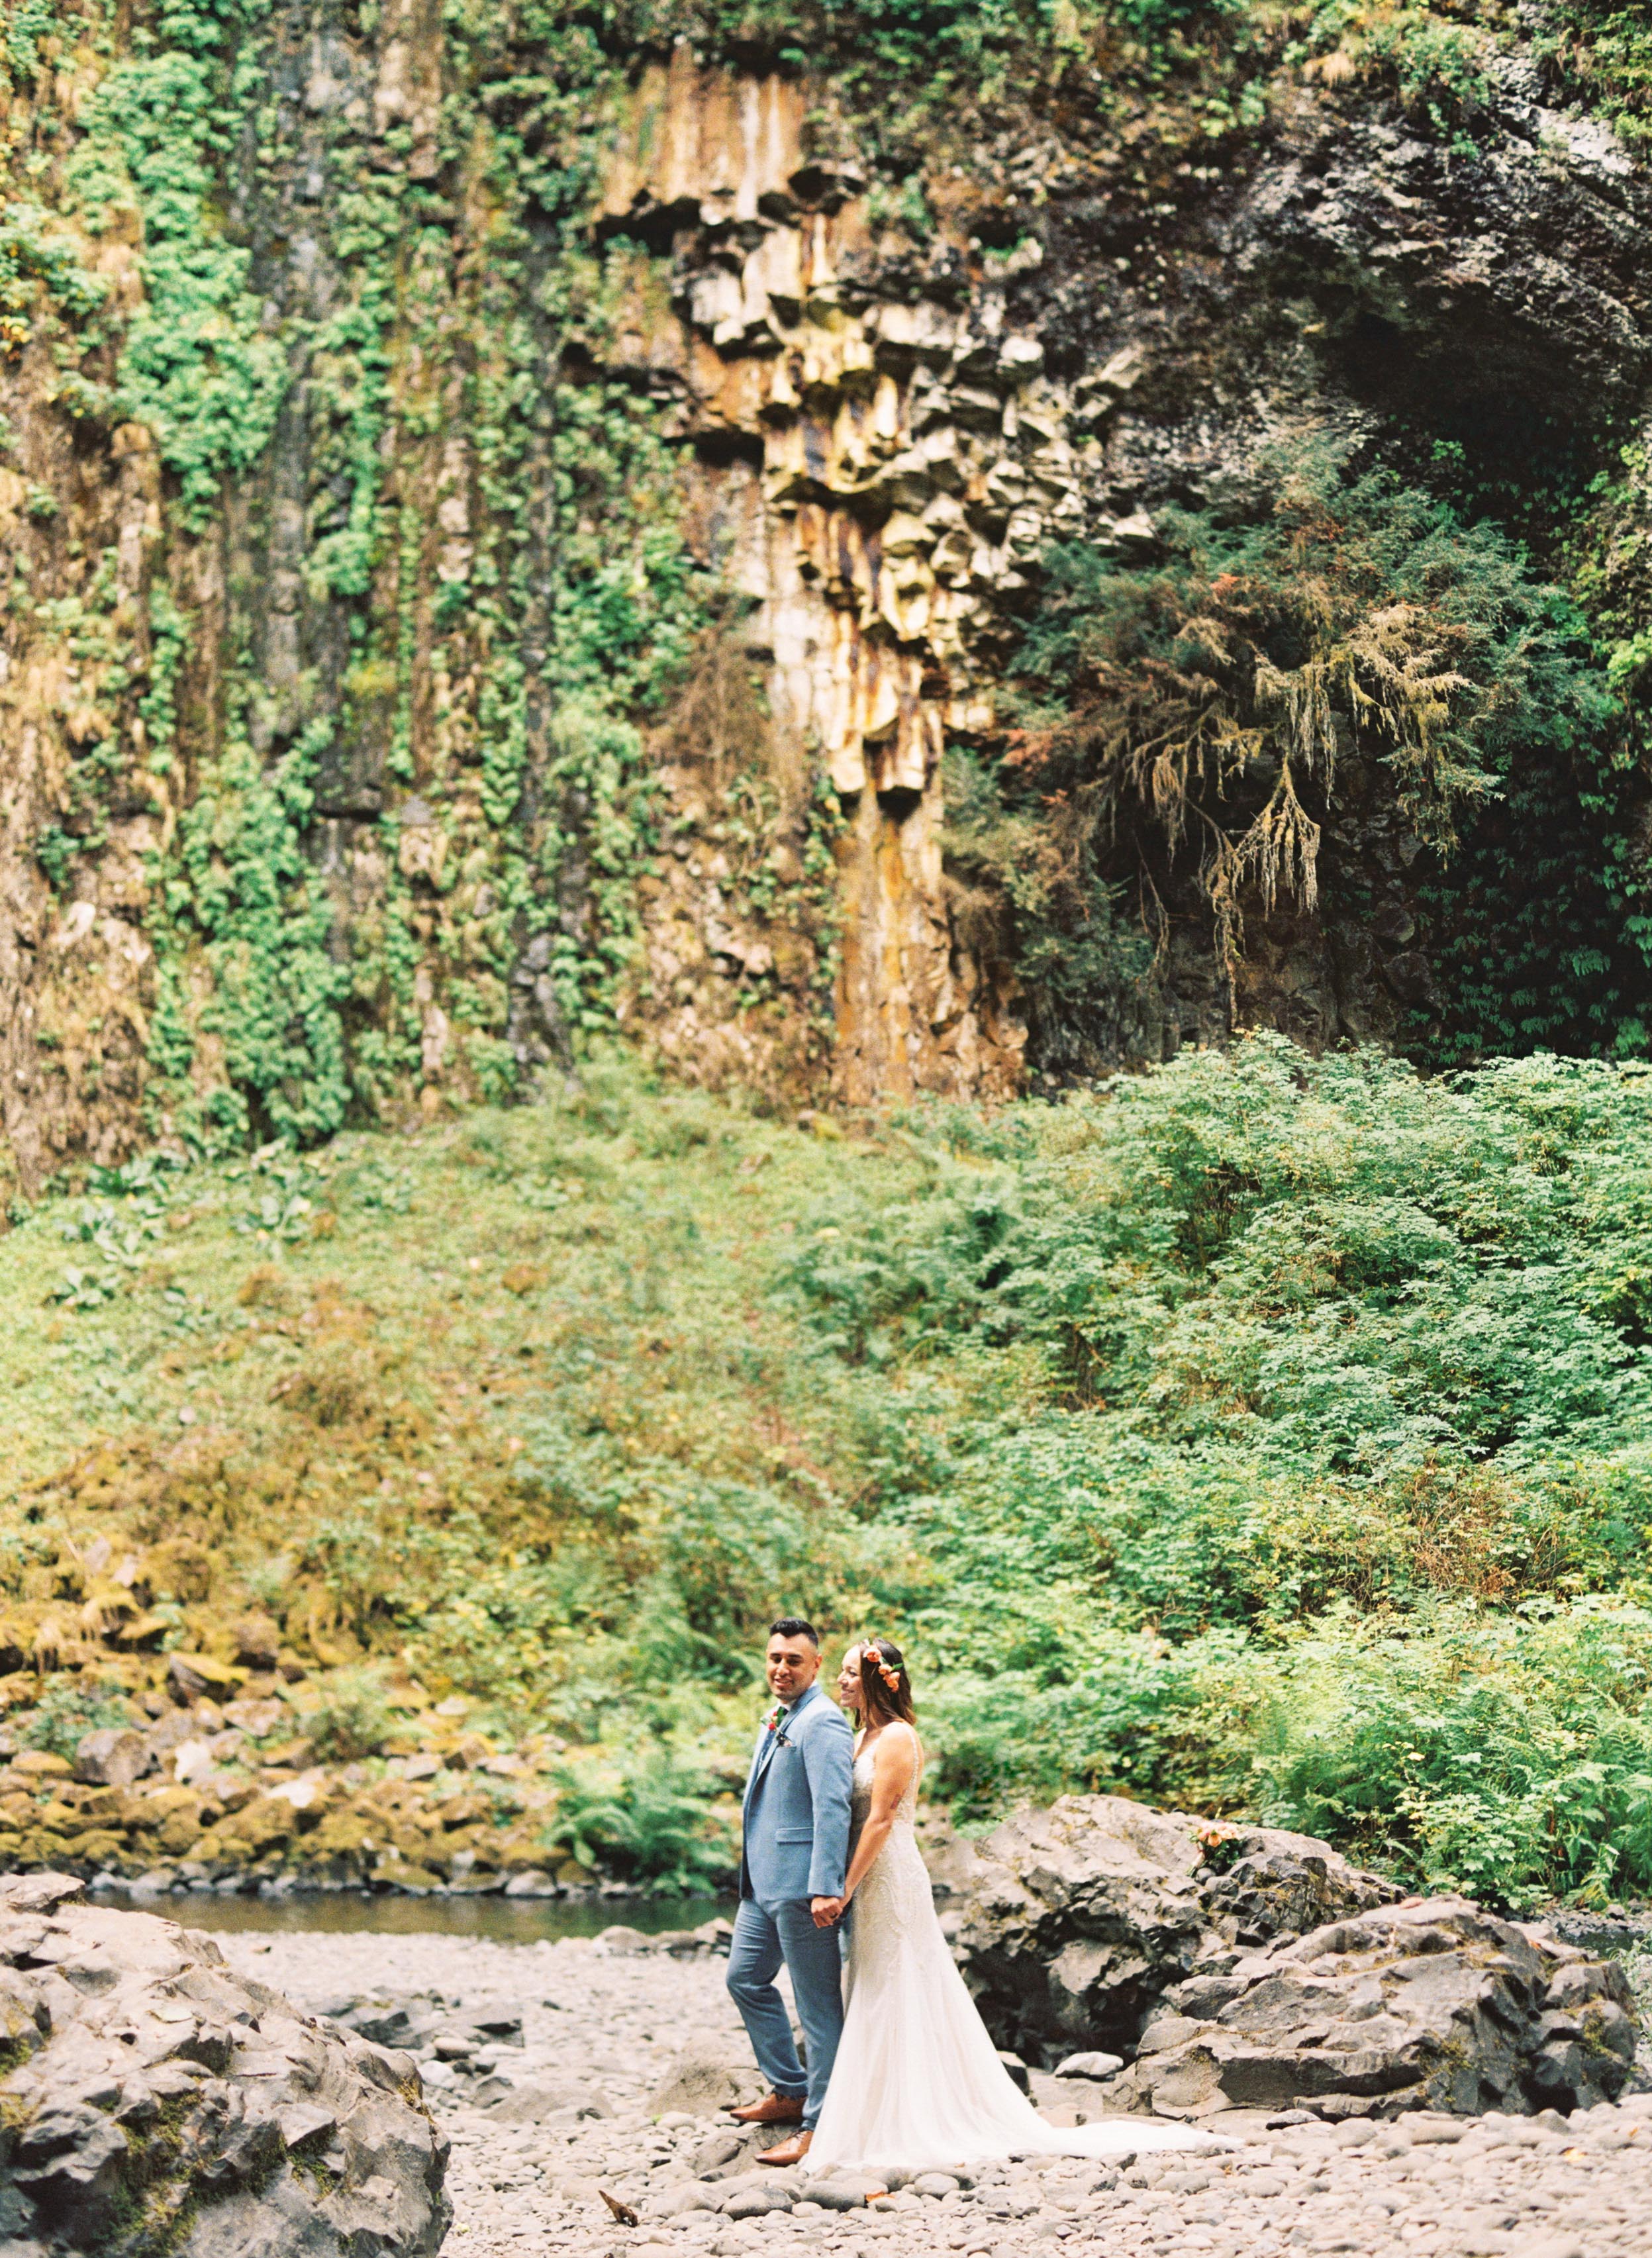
(114, 1757)
(528, 2104)
(1077, 1918)
(753, 2198)
(155, 2101)
(677, 2202)
(703, 2080)
(845, 2191)
(1438, 2004)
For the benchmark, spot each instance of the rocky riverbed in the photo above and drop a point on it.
(560, 2072)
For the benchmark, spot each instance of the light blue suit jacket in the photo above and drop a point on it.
(796, 1815)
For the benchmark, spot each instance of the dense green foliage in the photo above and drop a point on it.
(647, 1819)
(1215, 713)
(1343, 1415)
(1607, 51)
(1265, 1434)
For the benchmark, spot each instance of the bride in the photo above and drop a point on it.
(918, 2082)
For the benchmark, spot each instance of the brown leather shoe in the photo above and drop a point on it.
(773, 2109)
(788, 2152)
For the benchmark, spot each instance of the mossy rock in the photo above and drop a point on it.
(223, 1847)
(41, 1847)
(142, 1633)
(411, 1844)
(41, 1763)
(399, 1874)
(342, 1835)
(195, 1674)
(464, 1810)
(165, 1803)
(179, 1832)
(264, 1825)
(99, 1846)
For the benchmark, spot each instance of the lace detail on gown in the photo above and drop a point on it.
(918, 2082)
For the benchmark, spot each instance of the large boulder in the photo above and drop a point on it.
(1075, 1920)
(1436, 2005)
(150, 2101)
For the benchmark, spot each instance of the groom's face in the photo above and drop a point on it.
(794, 1664)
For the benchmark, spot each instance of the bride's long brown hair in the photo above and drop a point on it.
(886, 1691)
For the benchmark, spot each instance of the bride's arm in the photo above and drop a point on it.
(894, 1761)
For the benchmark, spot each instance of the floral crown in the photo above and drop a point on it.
(888, 1671)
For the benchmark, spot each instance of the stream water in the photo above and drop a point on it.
(503, 1921)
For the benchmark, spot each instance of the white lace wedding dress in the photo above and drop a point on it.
(917, 2084)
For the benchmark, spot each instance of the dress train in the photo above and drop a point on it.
(917, 2084)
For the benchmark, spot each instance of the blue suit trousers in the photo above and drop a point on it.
(764, 1935)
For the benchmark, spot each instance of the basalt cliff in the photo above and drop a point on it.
(874, 553)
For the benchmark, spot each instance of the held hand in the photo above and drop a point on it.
(826, 1910)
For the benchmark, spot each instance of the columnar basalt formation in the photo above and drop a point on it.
(910, 454)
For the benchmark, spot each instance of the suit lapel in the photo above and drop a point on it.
(759, 1765)
(765, 1755)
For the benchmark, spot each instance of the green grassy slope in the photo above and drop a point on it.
(504, 1399)
(1268, 1434)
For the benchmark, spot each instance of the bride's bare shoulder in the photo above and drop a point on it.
(901, 1742)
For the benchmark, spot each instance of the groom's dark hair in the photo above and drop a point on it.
(795, 1627)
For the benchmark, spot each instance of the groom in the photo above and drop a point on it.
(791, 1871)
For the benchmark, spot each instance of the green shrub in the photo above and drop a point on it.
(1508, 1756)
(1273, 1378)
(352, 1719)
(1192, 725)
(1264, 1434)
(67, 1714)
(647, 1818)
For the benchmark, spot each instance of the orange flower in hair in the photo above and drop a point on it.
(886, 1670)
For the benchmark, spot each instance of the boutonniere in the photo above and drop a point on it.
(771, 1723)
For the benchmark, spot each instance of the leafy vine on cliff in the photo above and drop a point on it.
(500, 680)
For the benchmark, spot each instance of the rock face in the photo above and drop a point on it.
(877, 426)
(898, 435)
(1430, 2006)
(1286, 1978)
(1078, 1919)
(151, 2100)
